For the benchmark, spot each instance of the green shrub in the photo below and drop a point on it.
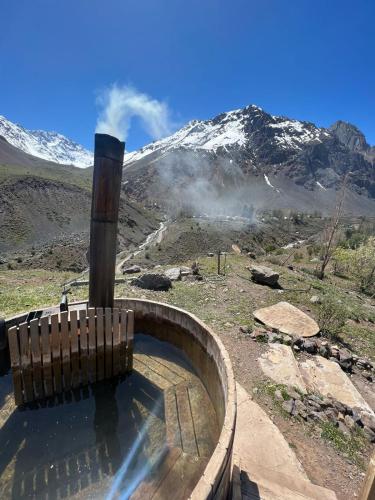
(363, 266)
(269, 248)
(332, 316)
(280, 251)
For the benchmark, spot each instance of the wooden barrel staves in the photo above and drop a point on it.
(69, 350)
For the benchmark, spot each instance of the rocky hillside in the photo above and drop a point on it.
(46, 206)
(250, 156)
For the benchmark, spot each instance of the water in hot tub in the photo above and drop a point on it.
(145, 435)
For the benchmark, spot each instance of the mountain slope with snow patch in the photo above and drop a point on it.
(49, 146)
(248, 150)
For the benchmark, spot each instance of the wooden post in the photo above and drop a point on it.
(109, 156)
(218, 262)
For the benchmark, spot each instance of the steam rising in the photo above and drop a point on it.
(199, 185)
(118, 105)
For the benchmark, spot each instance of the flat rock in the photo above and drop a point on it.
(174, 273)
(279, 364)
(273, 471)
(264, 275)
(287, 319)
(326, 377)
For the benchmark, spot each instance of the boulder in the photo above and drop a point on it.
(174, 273)
(157, 282)
(264, 275)
(287, 319)
(345, 359)
(310, 346)
(131, 270)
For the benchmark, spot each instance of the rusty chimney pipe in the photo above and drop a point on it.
(108, 161)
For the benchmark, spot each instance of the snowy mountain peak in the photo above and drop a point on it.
(235, 130)
(49, 146)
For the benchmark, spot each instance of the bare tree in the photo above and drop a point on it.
(330, 233)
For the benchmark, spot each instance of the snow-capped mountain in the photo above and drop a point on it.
(49, 146)
(235, 130)
(275, 160)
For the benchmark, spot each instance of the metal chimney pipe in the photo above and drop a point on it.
(108, 161)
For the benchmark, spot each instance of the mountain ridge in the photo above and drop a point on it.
(251, 147)
(49, 146)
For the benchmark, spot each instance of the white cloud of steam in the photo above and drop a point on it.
(118, 105)
(201, 185)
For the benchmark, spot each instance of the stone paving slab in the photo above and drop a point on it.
(280, 365)
(287, 319)
(268, 467)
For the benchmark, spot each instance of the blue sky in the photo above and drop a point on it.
(311, 60)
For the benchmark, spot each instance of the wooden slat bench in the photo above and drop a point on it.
(55, 354)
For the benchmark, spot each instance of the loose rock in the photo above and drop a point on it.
(156, 282)
(131, 270)
(174, 273)
(309, 346)
(315, 299)
(289, 406)
(264, 275)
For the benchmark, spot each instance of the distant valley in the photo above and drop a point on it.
(239, 164)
